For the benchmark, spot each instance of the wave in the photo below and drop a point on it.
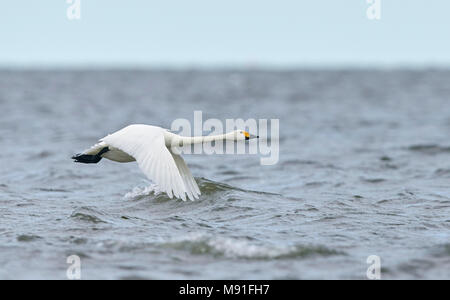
(202, 244)
(429, 148)
(207, 187)
(442, 250)
(88, 214)
(28, 238)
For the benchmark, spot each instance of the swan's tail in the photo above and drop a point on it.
(90, 158)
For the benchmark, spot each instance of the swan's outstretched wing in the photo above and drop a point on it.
(147, 145)
(189, 182)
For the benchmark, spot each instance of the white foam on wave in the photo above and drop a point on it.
(232, 247)
(143, 191)
(241, 248)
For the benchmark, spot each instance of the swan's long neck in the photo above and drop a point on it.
(201, 139)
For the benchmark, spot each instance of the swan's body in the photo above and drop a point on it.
(153, 149)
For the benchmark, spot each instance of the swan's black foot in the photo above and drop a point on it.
(90, 159)
(87, 159)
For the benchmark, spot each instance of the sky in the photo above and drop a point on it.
(231, 33)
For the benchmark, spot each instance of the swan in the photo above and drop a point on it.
(152, 147)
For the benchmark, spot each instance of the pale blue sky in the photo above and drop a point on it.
(231, 33)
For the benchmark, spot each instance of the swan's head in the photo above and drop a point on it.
(241, 135)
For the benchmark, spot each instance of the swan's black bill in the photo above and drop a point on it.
(251, 137)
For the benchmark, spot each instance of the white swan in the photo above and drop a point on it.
(152, 148)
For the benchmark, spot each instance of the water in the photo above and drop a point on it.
(364, 170)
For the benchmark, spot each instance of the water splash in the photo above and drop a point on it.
(140, 192)
(207, 187)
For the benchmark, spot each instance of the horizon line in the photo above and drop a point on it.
(222, 66)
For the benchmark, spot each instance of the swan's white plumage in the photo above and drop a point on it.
(188, 179)
(147, 145)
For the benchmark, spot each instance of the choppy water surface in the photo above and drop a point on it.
(364, 170)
